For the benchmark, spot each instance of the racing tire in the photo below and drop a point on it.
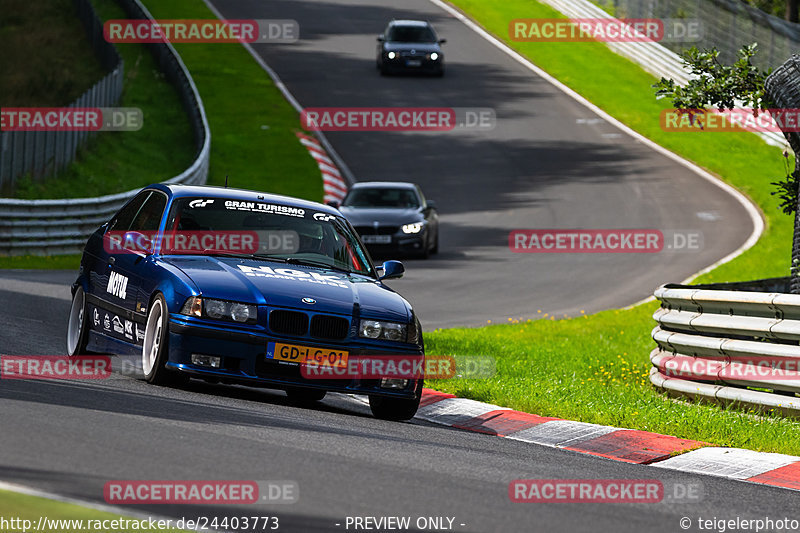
(305, 396)
(155, 347)
(435, 249)
(78, 327)
(395, 409)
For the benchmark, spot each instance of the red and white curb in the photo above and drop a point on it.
(332, 181)
(625, 445)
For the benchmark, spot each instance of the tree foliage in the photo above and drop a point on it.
(720, 86)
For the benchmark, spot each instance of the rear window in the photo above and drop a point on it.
(382, 197)
(411, 34)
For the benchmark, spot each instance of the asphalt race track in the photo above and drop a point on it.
(548, 163)
(72, 437)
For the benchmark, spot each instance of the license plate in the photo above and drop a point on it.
(294, 353)
(376, 239)
(414, 63)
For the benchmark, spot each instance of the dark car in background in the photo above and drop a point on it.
(410, 46)
(393, 217)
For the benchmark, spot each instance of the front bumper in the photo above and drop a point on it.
(405, 64)
(244, 361)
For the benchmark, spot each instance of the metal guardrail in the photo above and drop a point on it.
(45, 153)
(63, 226)
(723, 344)
(651, 56)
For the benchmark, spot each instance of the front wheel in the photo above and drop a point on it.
(78, 328)
(155, 351)
(395, 409)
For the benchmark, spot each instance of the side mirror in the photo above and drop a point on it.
(381, 38)
(334, 204)
(442, 41)
(431, 204)
(392, 270)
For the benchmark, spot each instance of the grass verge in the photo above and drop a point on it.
(594, 368)
(65, 517)
(114, 162)
(252, 125)
(62, 68)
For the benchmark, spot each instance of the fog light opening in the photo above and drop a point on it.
(210, 361)
(393, 383)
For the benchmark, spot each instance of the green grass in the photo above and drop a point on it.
(32, 508)
(45, 262)
(594, 368)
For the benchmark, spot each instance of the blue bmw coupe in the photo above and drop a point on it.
(244, 287)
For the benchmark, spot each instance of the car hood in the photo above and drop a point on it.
(280, 285)
(386, 217)
(419, 47)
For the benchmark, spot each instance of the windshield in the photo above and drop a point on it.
(382, 197)
(263, 229)
(411, 34)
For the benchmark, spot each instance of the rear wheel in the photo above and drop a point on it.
(305, 396)
(78, 327)
(395, 408)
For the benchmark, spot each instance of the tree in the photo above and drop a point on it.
(724, 86)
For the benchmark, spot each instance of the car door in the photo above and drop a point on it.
(133, 265)
(115, 306)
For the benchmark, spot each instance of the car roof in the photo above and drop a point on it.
(405, 22)
(383, 185)
(185, 191)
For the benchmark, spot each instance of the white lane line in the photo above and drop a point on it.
(36, 288)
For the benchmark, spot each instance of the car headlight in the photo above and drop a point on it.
(434, 56)
(391, 55)
(389, 331)
(220, 310)
(413, 228)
